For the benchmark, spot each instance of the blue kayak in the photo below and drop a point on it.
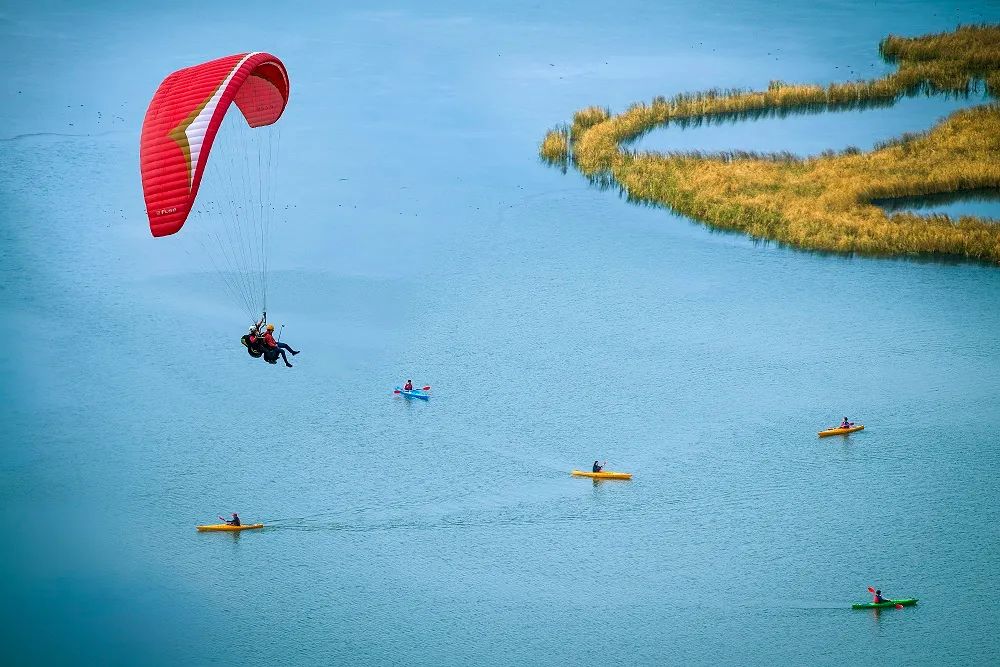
(414, 393)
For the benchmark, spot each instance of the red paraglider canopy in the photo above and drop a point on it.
(183, 119)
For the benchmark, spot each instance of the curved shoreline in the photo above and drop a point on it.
(819, 203)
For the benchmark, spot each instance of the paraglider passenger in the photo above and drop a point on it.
(275, 346)
(254, 339)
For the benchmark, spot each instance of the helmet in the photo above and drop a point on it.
(270, 327)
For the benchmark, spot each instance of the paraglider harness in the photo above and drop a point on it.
(257, 348)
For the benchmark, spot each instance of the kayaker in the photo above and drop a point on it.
(235, 521)
(597, 467)
(408, 386)
(877, 597)
(275, 346)
(846, 424)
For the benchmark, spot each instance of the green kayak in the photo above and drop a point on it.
(907, 602)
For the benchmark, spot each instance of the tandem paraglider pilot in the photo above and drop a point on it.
(276, 347)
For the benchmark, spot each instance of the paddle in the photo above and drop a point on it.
(872, 590)
(400, 391)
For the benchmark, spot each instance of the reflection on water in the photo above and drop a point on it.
(981, 202)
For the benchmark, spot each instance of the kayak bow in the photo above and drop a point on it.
(906, 602)
(602, 474)
(840, 431)
(226, 527)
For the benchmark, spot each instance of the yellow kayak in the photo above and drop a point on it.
(226, 526)
(841, 431)
(602, 474)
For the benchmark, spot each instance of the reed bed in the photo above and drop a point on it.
(555, 146)
(819, 203)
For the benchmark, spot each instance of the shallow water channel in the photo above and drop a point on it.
(982, 202)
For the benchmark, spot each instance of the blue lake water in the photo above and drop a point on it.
(556, 323)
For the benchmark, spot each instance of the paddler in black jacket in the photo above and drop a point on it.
(235, 521)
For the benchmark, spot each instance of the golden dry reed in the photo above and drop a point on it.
(820, 203)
